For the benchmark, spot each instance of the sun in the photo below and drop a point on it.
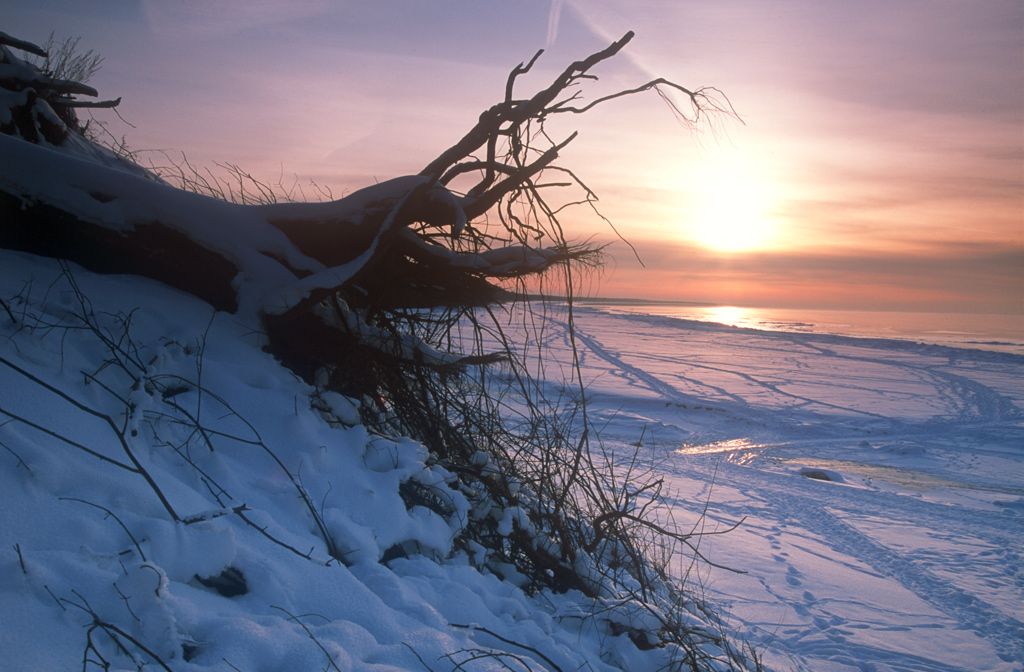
(731, 209)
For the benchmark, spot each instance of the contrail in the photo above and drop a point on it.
(553, 17)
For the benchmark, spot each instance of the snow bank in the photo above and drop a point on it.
(270, 478)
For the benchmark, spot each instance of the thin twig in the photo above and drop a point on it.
(316, 641)
(532, 650)
(21, 560)
(111, 515)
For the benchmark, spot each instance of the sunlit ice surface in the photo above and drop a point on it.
(718, 447)
(915, 534)
(985, 331)
(706, 388)
(916, 531)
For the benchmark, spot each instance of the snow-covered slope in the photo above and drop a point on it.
(155, 407)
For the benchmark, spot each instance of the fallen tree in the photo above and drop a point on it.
(294, 262)
(360, 296)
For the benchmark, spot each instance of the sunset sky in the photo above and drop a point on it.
(880, 162)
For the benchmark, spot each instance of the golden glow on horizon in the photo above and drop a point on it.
(732, 207)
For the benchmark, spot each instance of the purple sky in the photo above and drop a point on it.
(880, 164)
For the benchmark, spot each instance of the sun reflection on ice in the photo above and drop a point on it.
(729, 315)
(729, 446)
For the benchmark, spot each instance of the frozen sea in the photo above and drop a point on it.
(985, 331)
(909, 556)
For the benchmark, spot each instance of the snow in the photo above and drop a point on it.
(907, 558)
(87, 541)
(118, 198)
